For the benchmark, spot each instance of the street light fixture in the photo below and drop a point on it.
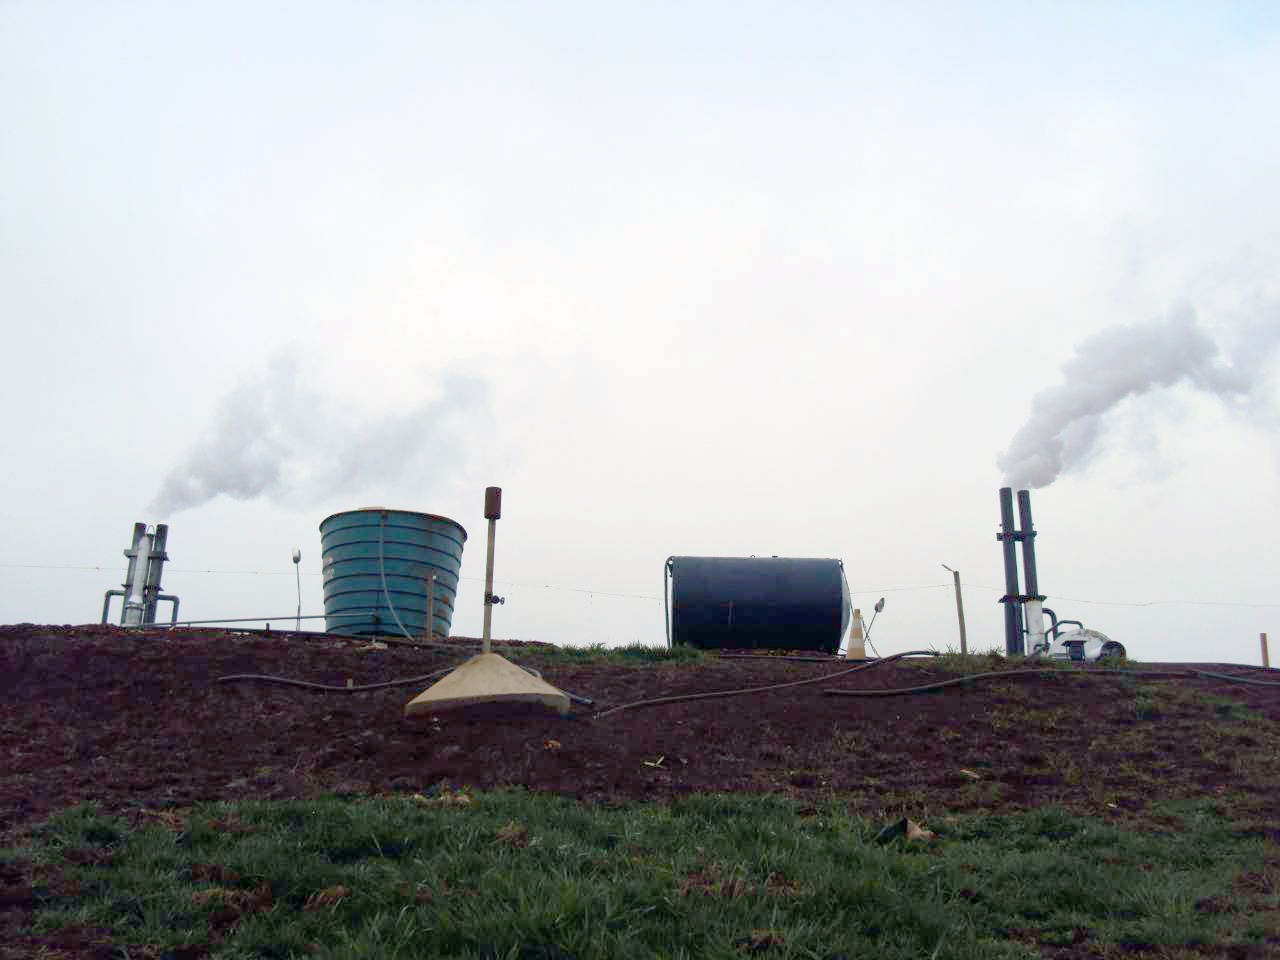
(964, 647)
(297, 559)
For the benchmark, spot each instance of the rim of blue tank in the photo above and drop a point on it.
(410, 513)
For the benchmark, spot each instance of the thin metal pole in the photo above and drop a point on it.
(297, 569)
(492, 511)
(488, 586)
(1266, 660)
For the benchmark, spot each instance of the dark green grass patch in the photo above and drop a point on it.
(638, 654)
(509, 874)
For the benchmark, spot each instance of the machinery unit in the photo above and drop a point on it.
(1081, 643)
(779, 603)
(141, 591)
(1024, 613)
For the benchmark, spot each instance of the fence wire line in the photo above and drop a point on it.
(646, 596)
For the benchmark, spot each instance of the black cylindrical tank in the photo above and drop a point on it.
(779, 603)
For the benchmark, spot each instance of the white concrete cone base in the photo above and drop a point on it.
(486, 678)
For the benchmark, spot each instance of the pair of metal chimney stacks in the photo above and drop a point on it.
(1023, 611)
(141, 591)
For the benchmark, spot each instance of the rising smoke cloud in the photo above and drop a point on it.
(1130, 360)
(273, 437)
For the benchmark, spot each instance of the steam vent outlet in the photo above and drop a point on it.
(378, 565)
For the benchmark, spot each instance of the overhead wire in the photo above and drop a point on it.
(645, 596)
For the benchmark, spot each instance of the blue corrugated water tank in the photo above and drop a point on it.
(359, 547)
(780, 603)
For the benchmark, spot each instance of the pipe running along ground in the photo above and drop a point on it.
(364, 687)
(969, 678)
(924, 688)
(328, 688)
(681, 698)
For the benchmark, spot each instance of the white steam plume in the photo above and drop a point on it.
(274, 438)
(1127, 361)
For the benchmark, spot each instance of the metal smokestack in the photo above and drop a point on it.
(1011, 599)
(155, 567)
(135, 580)
(141, 585)
(1023, 611)
(1033, 601)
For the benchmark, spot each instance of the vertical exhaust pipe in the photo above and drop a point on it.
(1011, 599)
(1033, 601)
(1024, 632)
(155, 567)
(135, 604)
(141, 584)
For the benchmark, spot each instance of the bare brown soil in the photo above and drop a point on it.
(138, 720)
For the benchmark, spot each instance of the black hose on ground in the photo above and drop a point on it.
(922, 688)
(969, 678)
(327, 688)
(785, 658)
(680, 698)
(364, 687)
(1236, 679)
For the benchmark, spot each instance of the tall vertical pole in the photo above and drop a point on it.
(492, 511)
(964, 645)
(1033, 602)
(1266, 660)
(297, 570)
(1011, 598)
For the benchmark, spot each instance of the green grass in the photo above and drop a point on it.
(952, 661)
(631, 653)
(993, 660)
(515, 875)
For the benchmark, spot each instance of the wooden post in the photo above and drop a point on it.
(1266, 661)
(964, 645)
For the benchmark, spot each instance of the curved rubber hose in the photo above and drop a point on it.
(968, 678)
(1227, 676)
(774, 658)
(773, 686)
(309, 685)
(331, 689)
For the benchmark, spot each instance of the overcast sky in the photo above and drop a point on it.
(804, 279)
